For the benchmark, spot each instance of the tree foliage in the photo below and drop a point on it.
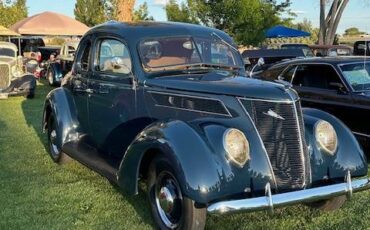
(353, 31)
(245, 20)
(12, 12)
(180, 12)
(329, 22)
(142, 14)
(90, 12)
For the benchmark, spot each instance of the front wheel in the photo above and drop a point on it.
(330, 204)
(170, 209)
(55, 152)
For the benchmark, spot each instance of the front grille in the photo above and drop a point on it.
(283, 137)
(4, 76)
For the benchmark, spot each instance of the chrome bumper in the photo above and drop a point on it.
(269, 202)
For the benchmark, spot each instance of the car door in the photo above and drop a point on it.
(112, 102)
(79, 83)
(320, 86)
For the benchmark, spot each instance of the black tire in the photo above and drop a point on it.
(30, 94)
(183, 215)
(50, 77)
(329, 205)
(56, 154)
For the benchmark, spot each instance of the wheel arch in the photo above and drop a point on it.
(348, 157)
(203, 171)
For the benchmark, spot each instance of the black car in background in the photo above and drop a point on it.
(340, 86)
(361, 48)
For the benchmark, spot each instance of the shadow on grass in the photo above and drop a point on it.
(33, 111)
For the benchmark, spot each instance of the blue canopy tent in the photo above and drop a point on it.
(285, 32)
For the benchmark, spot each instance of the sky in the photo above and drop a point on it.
(355, 15)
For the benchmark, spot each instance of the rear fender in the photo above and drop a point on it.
(60, 104)
(199, 160)
(349, 155)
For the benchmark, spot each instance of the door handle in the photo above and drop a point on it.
(88, 90)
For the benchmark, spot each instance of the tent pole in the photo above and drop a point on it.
(19, 46)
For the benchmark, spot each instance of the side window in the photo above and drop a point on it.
(113, 57)
(288, 74)
(85, 57)
(316, 76)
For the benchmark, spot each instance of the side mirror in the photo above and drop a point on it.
(338, 86)
(261, 62)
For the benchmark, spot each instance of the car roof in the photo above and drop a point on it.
(134, 31)
(9, 45)
(322, 60)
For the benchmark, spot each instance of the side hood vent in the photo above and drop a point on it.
(190, 103)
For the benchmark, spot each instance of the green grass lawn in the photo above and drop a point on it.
(35, 193)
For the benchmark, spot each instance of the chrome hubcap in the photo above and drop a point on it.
(53, 136)
(168, 200)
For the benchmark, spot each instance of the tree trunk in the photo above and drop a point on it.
(124, 10)
(329, 24)
(322, 31)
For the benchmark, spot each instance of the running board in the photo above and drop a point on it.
(91, 158)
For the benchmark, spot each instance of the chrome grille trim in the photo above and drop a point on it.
(4, 75)
(302, 167)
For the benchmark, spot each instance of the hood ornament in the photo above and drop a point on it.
(273, 114)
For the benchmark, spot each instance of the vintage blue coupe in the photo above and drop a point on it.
(169, 103)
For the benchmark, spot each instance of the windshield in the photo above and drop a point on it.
(357, 75)
(7, 52)
(165, 53)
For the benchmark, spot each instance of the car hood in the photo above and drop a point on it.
(225, 84)
(7, 59)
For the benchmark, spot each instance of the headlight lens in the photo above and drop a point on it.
(236, 146)
(326, 136)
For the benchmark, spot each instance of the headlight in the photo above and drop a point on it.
(326, 136)
(236, 146)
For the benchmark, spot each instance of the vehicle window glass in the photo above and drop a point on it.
(288, 75)
(316, 76)
(85, 58)
(113, 57)
(357, 75)
(158, 53)
(7, 52)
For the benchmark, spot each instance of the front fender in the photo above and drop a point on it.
(60, 103)
(197, 155)
(349, 155)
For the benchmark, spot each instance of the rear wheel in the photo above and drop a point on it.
(330, 204)
(55, 152)
(170, 209)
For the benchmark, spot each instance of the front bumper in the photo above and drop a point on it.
(269, 202)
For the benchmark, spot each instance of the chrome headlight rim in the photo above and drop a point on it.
(318, 140)
(229, 155)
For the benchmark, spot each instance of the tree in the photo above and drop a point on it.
(329, 22)
(353, 31)
(123, 10)
(141, 13)
(12, 12)
(179, 13)
(245, 20)
(90, 12)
